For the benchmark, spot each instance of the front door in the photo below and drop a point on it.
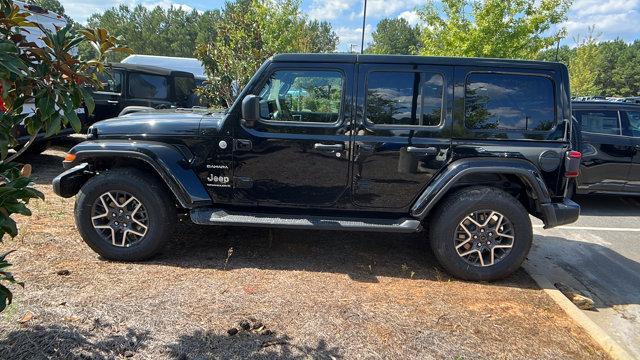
(403, 132)
(296, 155)
(606, 153)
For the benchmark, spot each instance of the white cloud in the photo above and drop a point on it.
(80, 10)
(611, 18)
(329, 9)
(353, 36)
(386, 8)
(411, 17)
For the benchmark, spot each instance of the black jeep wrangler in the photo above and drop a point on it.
(466, 148)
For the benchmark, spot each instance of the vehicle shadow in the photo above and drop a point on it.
(363, 256)
(67, 342)
(608, 205)
(612, 278)
(98, 342)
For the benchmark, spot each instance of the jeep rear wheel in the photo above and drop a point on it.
(124, 215)
(481, 233)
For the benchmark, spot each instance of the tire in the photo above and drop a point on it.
(157, 211)
(447, 233)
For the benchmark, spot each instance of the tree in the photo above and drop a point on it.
(395, 36)
(51, 5)
(168, 32)
(491, 28)
(584, 67)
(55, 79)
(250, 31)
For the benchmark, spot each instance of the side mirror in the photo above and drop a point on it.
(250, 110)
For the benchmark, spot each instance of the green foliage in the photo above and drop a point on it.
(250, 31)
(395, 36)
(55, 79)
(5, 276)
(491, 28)
(583, 68)
(157, 31)
(612, 65)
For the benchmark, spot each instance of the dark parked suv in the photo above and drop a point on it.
(610, 147)
(143, 86)
(466, 148)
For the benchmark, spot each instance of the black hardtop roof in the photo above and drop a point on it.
(604, 104)
(414, 59)
(156, 70)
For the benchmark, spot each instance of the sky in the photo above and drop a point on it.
(612, 18)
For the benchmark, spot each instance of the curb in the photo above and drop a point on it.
(612, 348)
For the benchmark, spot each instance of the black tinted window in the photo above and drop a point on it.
(509, 102)
(184, 87)
(110, 81)
(634, 122)
(404, 98)
(600, 122)
(148, 86)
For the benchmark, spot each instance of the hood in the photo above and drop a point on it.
(172, 123)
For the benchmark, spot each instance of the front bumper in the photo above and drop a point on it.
(69, 182)
(562, 213)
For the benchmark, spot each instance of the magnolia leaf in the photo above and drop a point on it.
(88, 100)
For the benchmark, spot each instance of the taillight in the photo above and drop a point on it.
(572, 164)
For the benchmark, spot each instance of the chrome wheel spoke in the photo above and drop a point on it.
(484, 238)
(123, 215)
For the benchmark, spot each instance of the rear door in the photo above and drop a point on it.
(402, 136)
(631, 127)
(606, 153)
(108, 98)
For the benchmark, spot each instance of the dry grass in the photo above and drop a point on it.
(323, 294)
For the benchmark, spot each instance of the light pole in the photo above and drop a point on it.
(364, 21)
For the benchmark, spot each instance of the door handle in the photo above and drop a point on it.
(242, 144)
(328, 147)
(112, 102)
(637, 147)
(422, 151)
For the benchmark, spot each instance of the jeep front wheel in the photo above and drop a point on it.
(481, 233)
(124, 215)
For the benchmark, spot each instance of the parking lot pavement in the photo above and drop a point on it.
(600, 256)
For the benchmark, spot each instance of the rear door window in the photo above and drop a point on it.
(111, 81)
(404, 98)
(599, 121)
(509, 102)
(148, 86)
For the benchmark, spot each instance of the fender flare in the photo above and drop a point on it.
(168, 161)
(447, 178)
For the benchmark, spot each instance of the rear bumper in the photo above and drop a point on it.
(562, 213)
(69, 182)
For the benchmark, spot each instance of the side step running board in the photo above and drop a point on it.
(209, 216)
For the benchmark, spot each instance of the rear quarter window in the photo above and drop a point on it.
(148, 86)
(509, 102)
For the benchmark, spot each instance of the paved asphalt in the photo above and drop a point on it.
(600, 256)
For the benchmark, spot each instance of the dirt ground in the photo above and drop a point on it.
(317, 295)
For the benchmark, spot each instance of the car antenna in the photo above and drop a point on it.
(364, 20)
(557, 49)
